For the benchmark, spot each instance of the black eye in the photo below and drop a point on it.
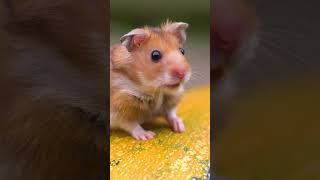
(182, 50)
(155, 56)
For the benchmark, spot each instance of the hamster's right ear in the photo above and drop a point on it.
(133, 39)
(178, 29)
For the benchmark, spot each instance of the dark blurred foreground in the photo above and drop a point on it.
(271, 126)
(53, 89)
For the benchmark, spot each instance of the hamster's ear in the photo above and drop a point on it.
(178, 29)
(133, 39)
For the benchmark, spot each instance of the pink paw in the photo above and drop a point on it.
(141, 134)
(176, 124)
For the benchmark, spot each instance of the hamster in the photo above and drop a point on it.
(148, 70)
(234, 39)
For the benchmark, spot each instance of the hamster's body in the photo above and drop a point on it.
(143, 88)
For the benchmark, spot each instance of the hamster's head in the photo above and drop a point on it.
(234, 35)
(154, 58)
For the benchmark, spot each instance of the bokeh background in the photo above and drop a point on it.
(127, 15)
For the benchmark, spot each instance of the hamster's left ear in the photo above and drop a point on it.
(133, 39)
(178, 29)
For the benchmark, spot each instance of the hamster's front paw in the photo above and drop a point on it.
(177, 125)
(140, 134)
(175, 122)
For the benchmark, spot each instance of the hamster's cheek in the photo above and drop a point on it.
(188, 76)
(166, 77)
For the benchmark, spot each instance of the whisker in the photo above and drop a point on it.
(288, 51)
(283, 35)
(296, 23)
(198, 76)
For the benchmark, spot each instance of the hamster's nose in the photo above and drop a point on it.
(179, 73)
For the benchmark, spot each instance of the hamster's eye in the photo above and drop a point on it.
(182, 51)
(155, 56)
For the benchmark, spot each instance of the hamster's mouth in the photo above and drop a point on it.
(173, 86)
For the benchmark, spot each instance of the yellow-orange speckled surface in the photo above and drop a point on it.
(169, 155)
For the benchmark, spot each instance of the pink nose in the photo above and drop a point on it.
(179, 73)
